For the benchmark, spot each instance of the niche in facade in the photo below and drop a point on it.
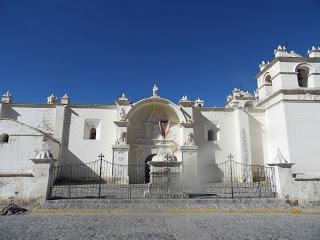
(91, 129)
(4, 138)
(212, 132)
(212, 135)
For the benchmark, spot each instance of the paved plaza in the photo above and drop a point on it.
(160, 226)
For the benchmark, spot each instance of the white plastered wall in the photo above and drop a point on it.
(302, 120)
(78, 149)
(24, 144)
(213, 152)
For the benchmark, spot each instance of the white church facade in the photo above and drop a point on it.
(279, 124)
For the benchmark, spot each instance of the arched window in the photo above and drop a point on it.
(210, 135)
(267, 80)
(303, 77)
(93, 133)
(4, 138)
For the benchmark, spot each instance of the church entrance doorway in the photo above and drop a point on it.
(147, 168)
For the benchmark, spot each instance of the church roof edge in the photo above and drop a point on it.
(48, 135)
(42, 105)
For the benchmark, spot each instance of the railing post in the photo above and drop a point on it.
(129, 190)
(259, 175)
(230, 161)
(51, 180)
(101, 156)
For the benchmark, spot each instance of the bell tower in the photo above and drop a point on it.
(289, 94)
(289, 70)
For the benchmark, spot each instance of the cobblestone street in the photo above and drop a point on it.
(152, 227)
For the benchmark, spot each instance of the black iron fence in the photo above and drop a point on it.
(234, 180)
(103, 179)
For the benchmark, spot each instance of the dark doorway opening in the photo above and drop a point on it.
(147, 168)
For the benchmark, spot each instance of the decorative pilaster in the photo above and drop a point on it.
(120, 147)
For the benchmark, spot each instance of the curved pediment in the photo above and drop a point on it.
(160, 102)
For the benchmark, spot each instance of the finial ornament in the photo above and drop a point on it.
(123, 100)
(7, 94)
(155, 90)
(123, 97)
(199, 103)
(314, 52)
(45, 152)
(262, 65)
(279, 158)
(7, 97)
(51, 99)
(65, 99)
(185, 101)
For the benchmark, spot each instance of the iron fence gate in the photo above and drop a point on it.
(231, 179)
(103, 179)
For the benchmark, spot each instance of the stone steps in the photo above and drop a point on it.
(139, 191)
(216, 203)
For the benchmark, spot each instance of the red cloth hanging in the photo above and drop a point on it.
(164, 128)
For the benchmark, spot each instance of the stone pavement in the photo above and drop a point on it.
(160, 226)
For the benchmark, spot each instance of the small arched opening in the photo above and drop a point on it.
(4, 138)
(93, 133)
(267, 80)
(303, 74)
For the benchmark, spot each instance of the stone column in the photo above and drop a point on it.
(284, 179)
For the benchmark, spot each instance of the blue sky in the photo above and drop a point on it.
(95, 50)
